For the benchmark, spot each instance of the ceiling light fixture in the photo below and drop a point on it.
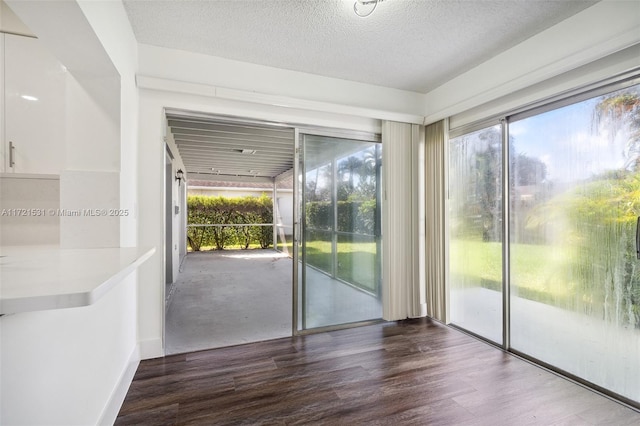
(364, 8)
(29, 98)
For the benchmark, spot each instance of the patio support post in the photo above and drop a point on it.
(274, 215)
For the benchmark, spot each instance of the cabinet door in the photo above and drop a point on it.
(34, 96)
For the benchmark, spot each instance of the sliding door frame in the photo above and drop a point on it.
(577, 95)
(299, 179)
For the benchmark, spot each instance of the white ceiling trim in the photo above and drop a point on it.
(182, 87)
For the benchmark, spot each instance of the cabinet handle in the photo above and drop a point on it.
(12, 149)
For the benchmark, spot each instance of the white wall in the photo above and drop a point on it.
(74, 366)
(41, 192)
(111, 24)
(151, 188)
(91, 179)
(175, 198)
(176, 65)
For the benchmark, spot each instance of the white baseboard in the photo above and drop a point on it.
(151, 348)
(112, 408)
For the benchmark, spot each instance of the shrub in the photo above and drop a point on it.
(207, 210)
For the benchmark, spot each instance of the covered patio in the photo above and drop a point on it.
(231, 297)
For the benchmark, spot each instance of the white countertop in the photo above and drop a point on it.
(36, 278)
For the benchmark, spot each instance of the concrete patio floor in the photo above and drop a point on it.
(228, 298)
(231, 297)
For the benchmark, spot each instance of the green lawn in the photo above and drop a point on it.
(356, 260)
(538, 272)
(227, 247)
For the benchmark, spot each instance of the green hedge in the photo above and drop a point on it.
(203, 210)
(353, 216)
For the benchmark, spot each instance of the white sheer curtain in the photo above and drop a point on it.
(403, 292)
(435, 201)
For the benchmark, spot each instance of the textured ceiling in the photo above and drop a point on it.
(405, 44)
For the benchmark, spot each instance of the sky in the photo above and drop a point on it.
(569, 143)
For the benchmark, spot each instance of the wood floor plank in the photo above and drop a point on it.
(414, 372)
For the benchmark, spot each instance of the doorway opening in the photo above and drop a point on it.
(232, 286)
(256, 267)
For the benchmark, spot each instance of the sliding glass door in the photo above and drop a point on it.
(339, 244)
(575, 276)
(573, 203)
(475, 218)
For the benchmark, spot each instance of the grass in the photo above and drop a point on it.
(227, 247)
(356, 260)
(538, 272)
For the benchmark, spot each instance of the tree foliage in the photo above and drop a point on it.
(596, 221)
(479, 166)
(353, 216)
(621, 112)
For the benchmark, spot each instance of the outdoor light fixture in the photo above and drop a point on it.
(364, 8)
(179, 176)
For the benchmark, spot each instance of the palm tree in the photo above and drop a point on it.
(622, 111)
(350, 166)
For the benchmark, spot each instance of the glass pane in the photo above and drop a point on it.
(575, 278)
(358, 261)
(319, 198)
(475, 224)
(319, 250)
(283, 217)
(341, 248)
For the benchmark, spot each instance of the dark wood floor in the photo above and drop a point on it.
(415, 372)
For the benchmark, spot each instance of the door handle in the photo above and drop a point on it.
(638, 238)
(12, 158)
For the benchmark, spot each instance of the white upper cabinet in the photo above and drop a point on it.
(34, 108)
